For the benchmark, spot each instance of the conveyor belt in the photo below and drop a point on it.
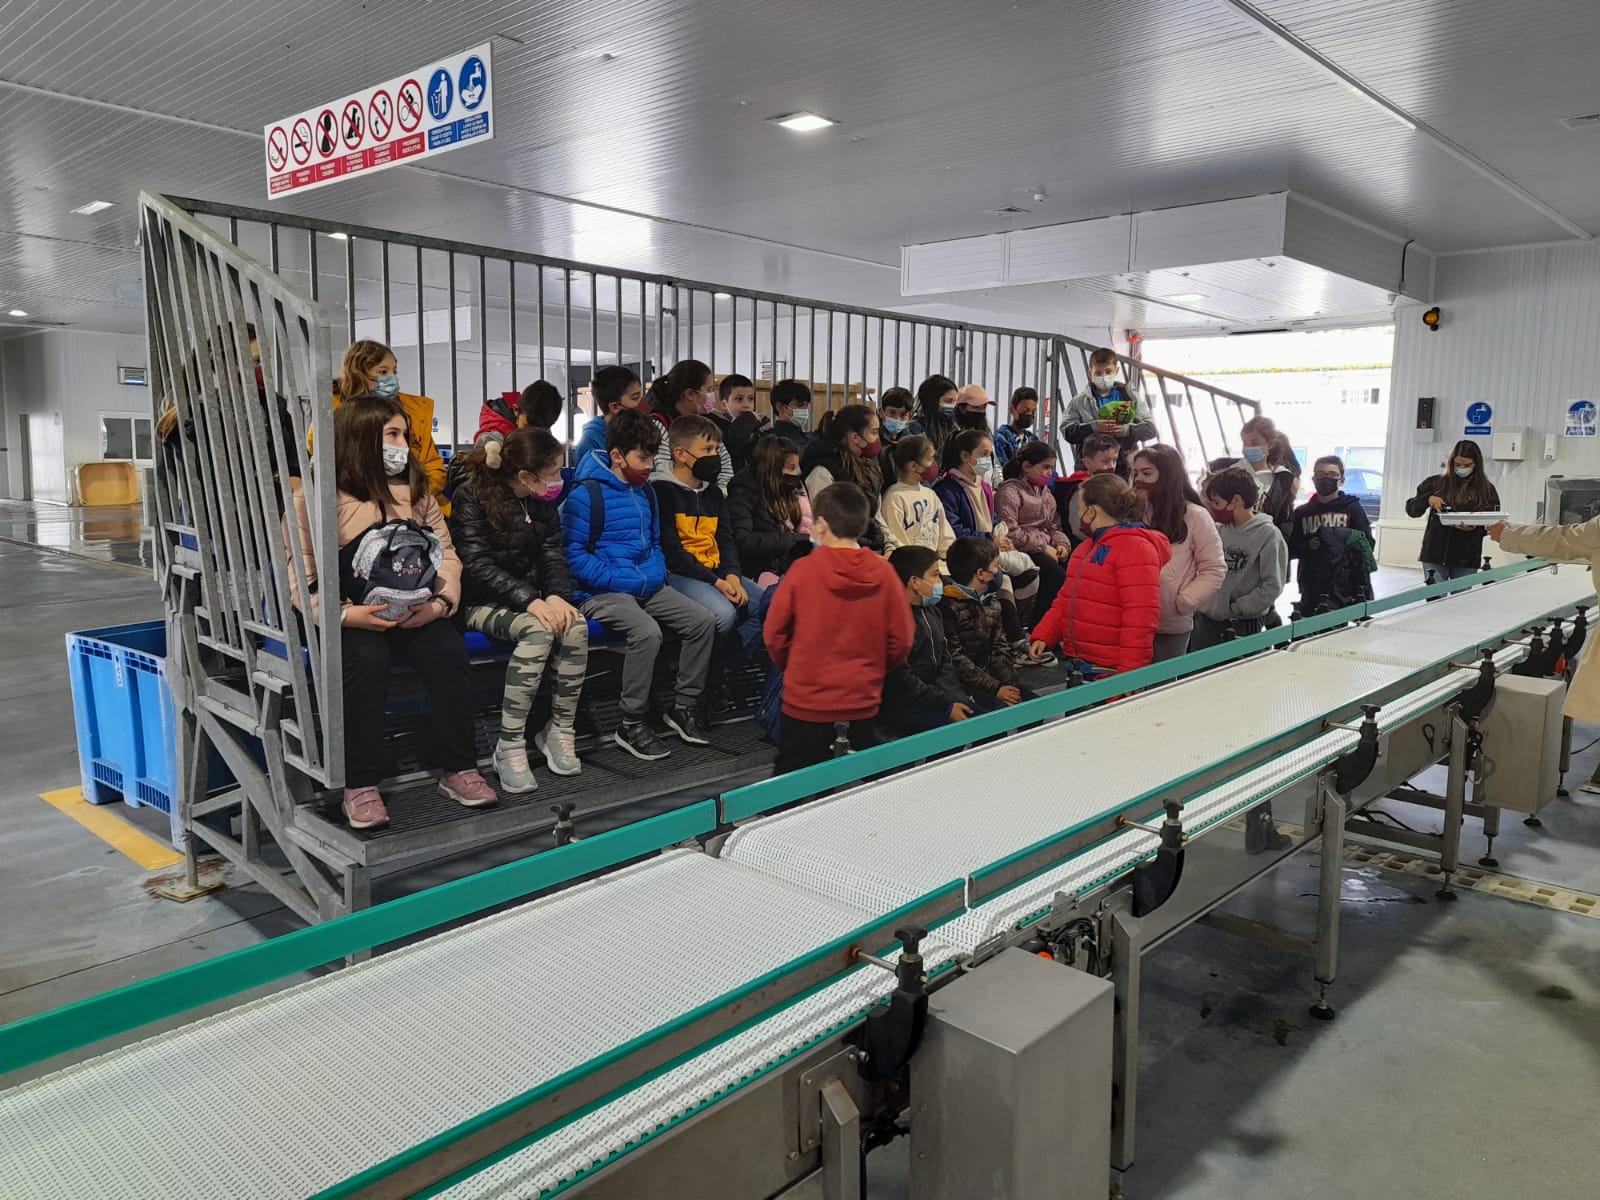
(302, 1089)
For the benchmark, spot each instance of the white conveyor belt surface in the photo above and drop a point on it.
(301, 1089)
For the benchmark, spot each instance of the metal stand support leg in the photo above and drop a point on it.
(1566, 758)
(1328, 895)
(1455, 799)
(1125, 1037)
(842, 1161)
(1491, 830)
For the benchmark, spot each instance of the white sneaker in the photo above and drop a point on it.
(511, 764)
(559, 748)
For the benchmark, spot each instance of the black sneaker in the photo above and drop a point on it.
(686, 723)
(639, 740)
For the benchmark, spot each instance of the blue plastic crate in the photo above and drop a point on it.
(127, 730)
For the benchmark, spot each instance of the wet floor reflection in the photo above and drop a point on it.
(114, 535)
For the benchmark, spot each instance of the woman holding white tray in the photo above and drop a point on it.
(1451, 549)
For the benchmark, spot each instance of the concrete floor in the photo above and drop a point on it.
(1463, 1065)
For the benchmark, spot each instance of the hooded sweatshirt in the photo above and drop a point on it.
(1258, 568)
(847, 609)
(1194, 573)
(696, 534)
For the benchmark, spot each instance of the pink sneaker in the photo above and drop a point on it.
(363, 808)
(468, 788)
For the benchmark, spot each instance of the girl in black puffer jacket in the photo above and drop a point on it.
(516, 587)
(768, 507)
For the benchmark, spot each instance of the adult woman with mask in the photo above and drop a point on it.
(936, 411)
(1197, 567)
(369, 368)
(1450, 551)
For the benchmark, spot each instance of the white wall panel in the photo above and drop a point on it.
(73, 374)
(1208, 233)
(1077, 250)
(1519, 332)
(953, 266)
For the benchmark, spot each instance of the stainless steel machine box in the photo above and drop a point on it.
(1571, 501)
(1011, 1086)
(1522, 744)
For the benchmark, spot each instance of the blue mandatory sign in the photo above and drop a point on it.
(1479, 413)
(441, 94)
(474, 82)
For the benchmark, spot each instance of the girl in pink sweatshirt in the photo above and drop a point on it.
(1196, 568)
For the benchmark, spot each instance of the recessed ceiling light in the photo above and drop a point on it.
(801, 122)
(723, 295)
(94, 206)
(1187, 298)
(16, 312)
(340, 237)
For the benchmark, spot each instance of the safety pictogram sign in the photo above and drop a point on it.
(380, 115)
(277, 148)
(300, 142)
(410, 105)
(354, 126)
(327, 133)
(413, 116)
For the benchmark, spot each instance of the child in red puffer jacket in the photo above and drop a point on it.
(1107, 611)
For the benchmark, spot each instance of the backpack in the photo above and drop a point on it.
(395, 564)
(1336, 571)
(769, 709)
(597, 510)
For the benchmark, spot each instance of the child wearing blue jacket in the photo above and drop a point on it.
(612, 530)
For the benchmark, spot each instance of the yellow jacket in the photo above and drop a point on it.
(419, 411)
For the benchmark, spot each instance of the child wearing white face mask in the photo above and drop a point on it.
(369, 367)
(1083, 416)
(518, 588)
(1451, 551)
(380, 481)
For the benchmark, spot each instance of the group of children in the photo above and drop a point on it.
(901, 567)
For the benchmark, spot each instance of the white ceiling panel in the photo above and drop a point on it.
(660, 159)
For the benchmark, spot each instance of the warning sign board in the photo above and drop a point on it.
(421, 113)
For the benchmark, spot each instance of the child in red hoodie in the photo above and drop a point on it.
(838, 624)
(1107, 610)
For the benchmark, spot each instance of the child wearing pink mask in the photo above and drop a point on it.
(1024, 503)
(516, 587)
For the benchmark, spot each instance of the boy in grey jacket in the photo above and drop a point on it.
(1082, 417)
(1257, 558)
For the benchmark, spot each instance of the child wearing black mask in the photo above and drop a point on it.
(697, 536)
(1009, 438)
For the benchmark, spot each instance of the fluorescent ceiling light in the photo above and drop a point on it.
(723, 295)
(17, 312)
(94, 206)
(1187, 298)
(801, 122)
(340, 237)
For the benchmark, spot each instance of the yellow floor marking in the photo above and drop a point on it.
(105, 824)
(1472, 878)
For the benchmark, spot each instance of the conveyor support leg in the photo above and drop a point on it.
(841, 1143)
(1566, 758)
(1455, 799)
(1125, 1036)
(1331, 882)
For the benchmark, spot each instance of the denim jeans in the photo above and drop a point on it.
(746, 623)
